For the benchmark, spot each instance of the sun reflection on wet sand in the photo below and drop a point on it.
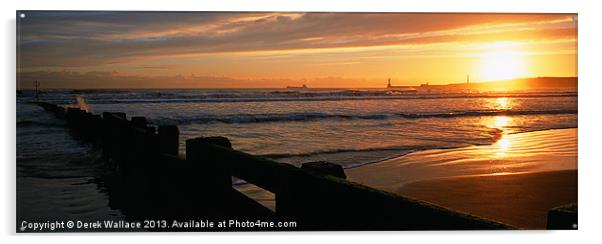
(502, 146)
(514, 153)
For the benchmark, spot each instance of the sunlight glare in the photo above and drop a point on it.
(503, 145)
(501, 121)
(502, 62)
(502, 103)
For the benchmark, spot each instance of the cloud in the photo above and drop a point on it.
(88, 39)
(155, 67)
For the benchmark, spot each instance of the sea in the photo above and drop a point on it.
(60, 176)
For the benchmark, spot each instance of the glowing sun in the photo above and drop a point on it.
(502, 62)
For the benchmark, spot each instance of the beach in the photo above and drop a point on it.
(521, 200)
(515, 180)
(386, 141)
(346, 121)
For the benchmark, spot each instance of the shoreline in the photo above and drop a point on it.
(382, 175)
(541, 150)
(515, 180)
(353, 166)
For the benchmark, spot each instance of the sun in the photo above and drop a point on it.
(502, 61)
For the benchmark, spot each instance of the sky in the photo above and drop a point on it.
(75, 49)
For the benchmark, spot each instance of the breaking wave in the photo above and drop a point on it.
(310, 116)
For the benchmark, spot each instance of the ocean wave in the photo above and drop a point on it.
(234, 96)
(263, 118)
(302, 97)
(379, 154)
(394, 151)
(309, 116)
(487, 113)
(348, 157)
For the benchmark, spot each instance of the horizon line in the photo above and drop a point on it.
(284, 87)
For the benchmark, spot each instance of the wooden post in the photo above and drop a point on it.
(113, 133)
(72, 115)
(139, 122)
(119, 115)
(151, 130)
(563, 217)
(96, 125)
(214, 173)
(325, 168)
(75, 120)
(169, 139)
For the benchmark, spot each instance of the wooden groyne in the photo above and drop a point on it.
(563, 217)
(150, 180)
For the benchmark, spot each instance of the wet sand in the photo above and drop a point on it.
(516, 180)
(522, 200)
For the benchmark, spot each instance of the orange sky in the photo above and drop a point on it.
(223, 49)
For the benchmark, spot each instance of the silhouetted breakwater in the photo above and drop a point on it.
(151, 181)
(563, 217)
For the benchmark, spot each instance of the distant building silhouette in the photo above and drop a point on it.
(389, 86)
(297, 87)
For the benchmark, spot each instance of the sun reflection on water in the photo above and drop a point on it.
(503, 103)
(501, 122)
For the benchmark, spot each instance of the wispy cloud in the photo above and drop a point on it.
(88, 39)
